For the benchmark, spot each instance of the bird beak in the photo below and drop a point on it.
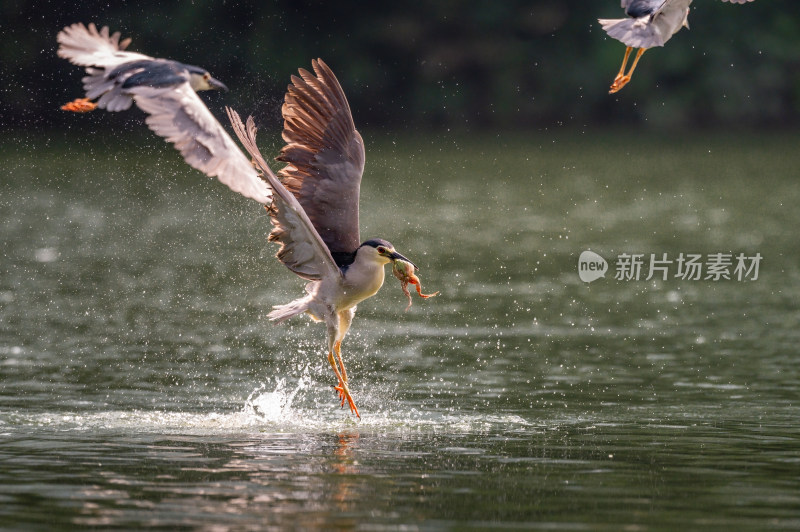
(397, 256)
(217, 84)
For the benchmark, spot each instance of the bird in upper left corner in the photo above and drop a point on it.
(167, 91)
(650, 23)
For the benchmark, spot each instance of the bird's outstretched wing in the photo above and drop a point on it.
(301, 248)
(180, 116)
(324, 155)
(88, 47)
(176, 111)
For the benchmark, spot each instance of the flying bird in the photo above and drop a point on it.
(167, 91)
(650, 23)
(313, 204)
(314, 212)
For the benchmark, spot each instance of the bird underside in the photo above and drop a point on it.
(651, 24)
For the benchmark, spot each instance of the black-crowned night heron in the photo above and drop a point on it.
(651, 23)
(313, 207)
(166, 91)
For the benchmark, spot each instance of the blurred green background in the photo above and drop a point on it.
(445, 64)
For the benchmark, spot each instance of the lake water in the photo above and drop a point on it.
(142, 386)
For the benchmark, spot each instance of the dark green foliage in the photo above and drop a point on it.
(455, 64)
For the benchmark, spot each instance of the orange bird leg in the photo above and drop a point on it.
(621, 72)
(344, 391)
(340, 386)
(79, 105)
(622, 79)
(337, 347)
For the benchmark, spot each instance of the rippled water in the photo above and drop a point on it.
(141, 385)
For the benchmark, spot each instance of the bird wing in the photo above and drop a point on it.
(302, 249)
(324, 155)
(86, 46)
(179, 115)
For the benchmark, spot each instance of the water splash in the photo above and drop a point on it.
(274, 406)
(284, 404)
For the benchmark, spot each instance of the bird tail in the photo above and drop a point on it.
(281, 313)
(111, 97)
(633, 32)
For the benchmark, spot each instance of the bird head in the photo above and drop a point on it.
(201, 80)
(380, 251)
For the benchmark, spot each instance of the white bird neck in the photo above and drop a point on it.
(362, 279)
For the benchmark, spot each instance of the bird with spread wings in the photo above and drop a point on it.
(313, 203)
(650, 23)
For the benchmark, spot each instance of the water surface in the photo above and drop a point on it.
(142, 386)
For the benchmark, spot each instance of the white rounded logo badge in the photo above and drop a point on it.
(591, 266)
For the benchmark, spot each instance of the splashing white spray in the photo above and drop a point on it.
(275, 405)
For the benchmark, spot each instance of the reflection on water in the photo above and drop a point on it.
(140, 384)
(554, 473)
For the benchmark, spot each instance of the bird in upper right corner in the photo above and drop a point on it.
(650, 23)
